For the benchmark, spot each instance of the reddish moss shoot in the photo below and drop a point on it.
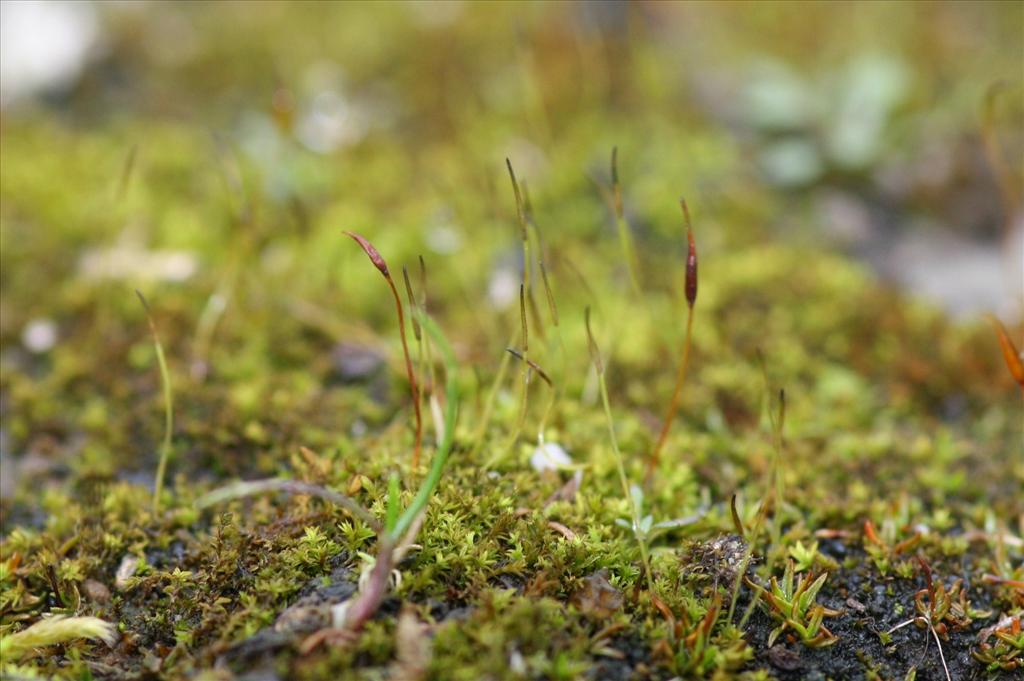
(691, 300)
(378, 261)
(1011, 355)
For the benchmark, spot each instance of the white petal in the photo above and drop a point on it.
(549, 456)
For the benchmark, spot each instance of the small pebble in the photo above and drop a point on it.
(784, 658)
(855, 605)
(96, 591)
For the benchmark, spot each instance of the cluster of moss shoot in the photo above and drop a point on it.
(697, 631)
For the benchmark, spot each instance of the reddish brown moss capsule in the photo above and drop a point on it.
(691, 298)
(1010, 353)
(372, 253)
(616, 188)
(691, 258)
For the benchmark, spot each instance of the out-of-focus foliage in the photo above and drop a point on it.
(210, 155)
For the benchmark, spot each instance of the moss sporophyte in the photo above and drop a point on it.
(378, 261)
(614, 542)
(684, 362)
(399, 530)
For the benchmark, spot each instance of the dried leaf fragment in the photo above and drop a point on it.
(597, 598)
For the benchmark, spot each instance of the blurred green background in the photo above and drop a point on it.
(860, 125)
(211, 155)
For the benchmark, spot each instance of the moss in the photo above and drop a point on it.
(896, 415)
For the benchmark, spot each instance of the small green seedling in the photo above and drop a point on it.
(690, 647)
(804, 556)
(888, 546)
(791, 602)
(648, 529)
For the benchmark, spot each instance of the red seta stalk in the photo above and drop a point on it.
(691, 299)
(378, 261)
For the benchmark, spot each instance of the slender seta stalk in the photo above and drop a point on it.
(492, 394)
(777, 420)
(524, 294)
(773, 495)
(595, 356)
(524, 397)
(423, 360)
(625, 238)
(553, 390)
(378, 262)
(556, 390)
(165, 381)
(691, 299)
(451, 412)
(780, 481)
